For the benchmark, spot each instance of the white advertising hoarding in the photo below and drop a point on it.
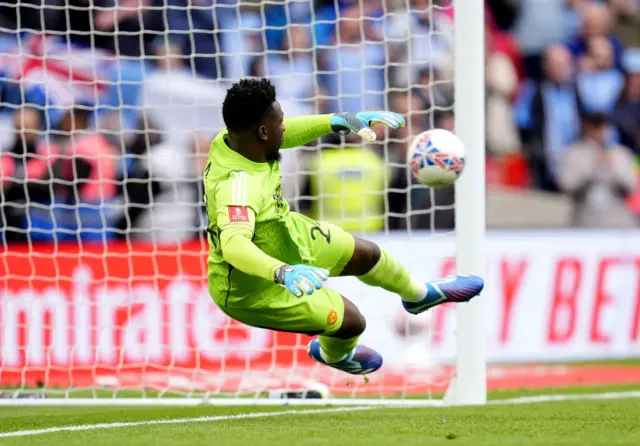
(564, 295)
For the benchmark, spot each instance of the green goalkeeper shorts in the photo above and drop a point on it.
(275, 308)
(320, 312)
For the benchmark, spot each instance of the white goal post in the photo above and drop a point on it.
(469, 385)
(106, 113)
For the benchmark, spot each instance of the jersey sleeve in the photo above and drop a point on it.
(238, 200)
(302, 130)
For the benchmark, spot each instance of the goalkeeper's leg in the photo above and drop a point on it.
(376, 267)
(336, 320)
(341, 350)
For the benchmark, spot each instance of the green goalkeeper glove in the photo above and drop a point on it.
(360, 122)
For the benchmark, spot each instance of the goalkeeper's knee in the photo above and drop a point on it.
(353, 322)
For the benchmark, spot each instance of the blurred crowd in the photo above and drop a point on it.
(108, 107)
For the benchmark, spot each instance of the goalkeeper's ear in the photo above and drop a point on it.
(263, 134)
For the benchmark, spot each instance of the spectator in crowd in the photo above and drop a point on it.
(26, 173)
(292, 70)
(626, 115)
(597, 23)
(353, 66)
(167, 55)
(418, 38)
(321, 15)
(435, 88)
(599, 177)
(135, 187)
(504, 12)
(195, 25)
(125, 27)
(541, 23)
(74, 122)
(501, 86)
(499, 42)
(33, 15)
(174, 212)
(240, 40)
(88, 197)
(548, 116)
(599, 82)
(627, 22)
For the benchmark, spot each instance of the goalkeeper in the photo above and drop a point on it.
(267, 264)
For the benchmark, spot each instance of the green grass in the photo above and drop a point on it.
(583, 422)
(507, 394)
(587, 422)
(495, 395)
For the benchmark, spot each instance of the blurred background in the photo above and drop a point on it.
(107, 109)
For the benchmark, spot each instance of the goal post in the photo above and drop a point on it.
(469, 385)
(104, 133)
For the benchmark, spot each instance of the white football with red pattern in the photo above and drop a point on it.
(436, 158)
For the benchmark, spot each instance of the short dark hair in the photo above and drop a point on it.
(246, 103)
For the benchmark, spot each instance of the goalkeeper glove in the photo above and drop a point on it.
(360, 122)
(300, 279)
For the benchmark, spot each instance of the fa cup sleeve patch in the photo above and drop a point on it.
(238, 214)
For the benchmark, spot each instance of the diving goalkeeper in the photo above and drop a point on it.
(267, 264)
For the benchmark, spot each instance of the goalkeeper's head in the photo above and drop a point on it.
(254, 118)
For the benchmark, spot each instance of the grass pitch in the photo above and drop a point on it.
(579, 422)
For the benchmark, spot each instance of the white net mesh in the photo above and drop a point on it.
(107, 109)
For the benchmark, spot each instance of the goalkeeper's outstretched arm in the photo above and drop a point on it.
(302, 130)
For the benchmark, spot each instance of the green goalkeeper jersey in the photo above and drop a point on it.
(244, 198)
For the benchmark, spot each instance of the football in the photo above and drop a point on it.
(436, 158)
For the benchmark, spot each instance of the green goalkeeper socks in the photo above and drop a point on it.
(389, 274)
(334, 350)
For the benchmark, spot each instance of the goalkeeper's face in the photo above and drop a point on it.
(271, 132)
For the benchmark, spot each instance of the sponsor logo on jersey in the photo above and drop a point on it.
(238, 214)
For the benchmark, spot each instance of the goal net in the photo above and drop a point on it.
(107, 110)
